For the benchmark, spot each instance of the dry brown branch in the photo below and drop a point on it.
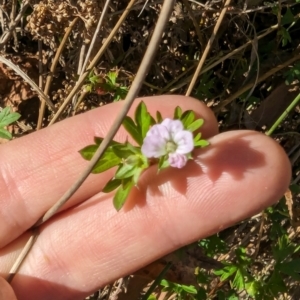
(207, 49)
(52, 70)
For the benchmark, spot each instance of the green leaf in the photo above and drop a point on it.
(111, 185)
(226, 272)
(112, 77)
(136, 175)
(213, 245)
(189, 289)
(159, 117)
(197, 137)
(252, 288)
(122, 150)
(166, 283)
(163, 163)
(121, 195)
(177, 113)
(98, 141)
(187, 118)
(291, 268)
(242, 256)
(133, 149)
(238, 281)
(133, 130)
(7, 117)
(142, 119)
(4, 134)
(108, 160)
(125, 171)
(88, 151)
(201, 143)
(195, 125)
(134, 160)
(288, 17)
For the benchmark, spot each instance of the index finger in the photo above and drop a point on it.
(37, 169)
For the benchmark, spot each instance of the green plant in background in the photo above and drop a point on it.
(213, 245)
(240, 278)
(292, 74)
(106, 85)
(286, 19)
(183, 292)
(6, 118)
(206, 86)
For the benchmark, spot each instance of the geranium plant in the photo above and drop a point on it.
(167, 142)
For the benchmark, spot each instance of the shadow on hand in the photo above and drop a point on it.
(233, 155)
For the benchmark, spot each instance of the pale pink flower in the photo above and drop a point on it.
(169, 138)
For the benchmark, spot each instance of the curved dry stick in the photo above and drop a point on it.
(93, 63)
(135, 88)
(52, 69)
(92, 44)
(207, 48)
(95, 36)
(28, 80)
(23, 254)
(260, 79)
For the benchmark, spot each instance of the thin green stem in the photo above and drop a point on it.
(157, 281)
(284, 115)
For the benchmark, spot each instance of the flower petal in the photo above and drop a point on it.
(154, 144)
(177, 160)
(173, 126)
(184, 141)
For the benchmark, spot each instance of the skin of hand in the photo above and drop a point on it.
(88, 244)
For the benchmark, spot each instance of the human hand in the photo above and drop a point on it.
(90, 244)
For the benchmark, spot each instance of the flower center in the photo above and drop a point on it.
(171, 147)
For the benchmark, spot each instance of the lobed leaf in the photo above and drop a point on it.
(291, 268)
(122, 194)
(7, 117)
(197, 137)
(195, 125)
(108, 160)
(111, 185)
(98, 141)
(142, 119)
(125, 171)
(238, 281)
(187, 118)
(136, 175)
(88, 151)
(5, 134)
(122, 150)
(177, 113)
(159, 117)
(201, 143)
(133, 130)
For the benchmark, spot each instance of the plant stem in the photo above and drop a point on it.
(284, 115)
